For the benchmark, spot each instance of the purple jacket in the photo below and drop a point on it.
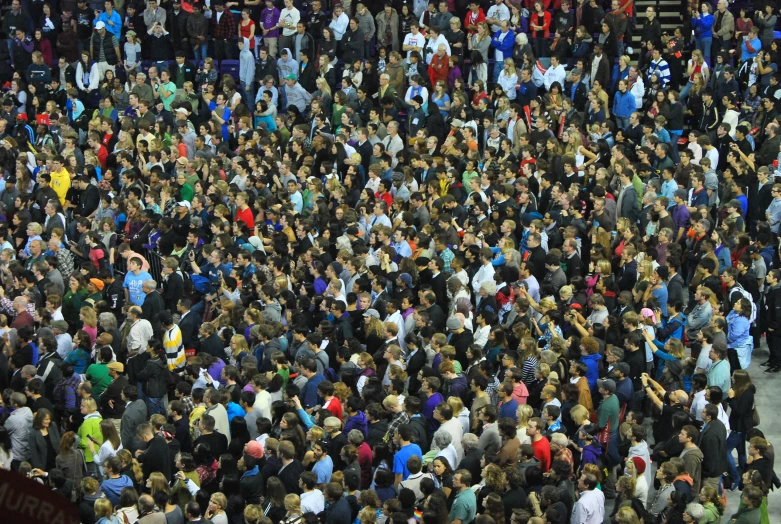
(359, 422)
(681, 219)
(270, 18)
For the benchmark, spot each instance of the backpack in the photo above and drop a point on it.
(748, 297)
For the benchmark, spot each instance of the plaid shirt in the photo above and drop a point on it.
(189, 406)
(397, 420)
(447, 257)
(225, 28)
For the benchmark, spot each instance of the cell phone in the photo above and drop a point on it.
(93, 439)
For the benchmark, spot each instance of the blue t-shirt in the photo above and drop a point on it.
(661, 296)
(324, 468)
(401, 457)
(310, 391)
(133, 284)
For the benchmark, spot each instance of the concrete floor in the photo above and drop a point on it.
(767, 401)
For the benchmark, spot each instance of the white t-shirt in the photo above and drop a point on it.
(417, 40)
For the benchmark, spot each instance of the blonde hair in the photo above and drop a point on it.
(221, 500)
(523, 414)
(457, 404)
(158, 482)
(241, 344)
(90, 317)
(293, 503)
(103, 508)
(579, 414)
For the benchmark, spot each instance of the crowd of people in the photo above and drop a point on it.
(411, 262)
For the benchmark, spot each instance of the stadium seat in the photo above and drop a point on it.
(230, 67)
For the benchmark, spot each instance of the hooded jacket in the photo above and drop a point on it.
(459, 387)
(112, 488)
(591, 454)
(692, 457)
(272, 312)
(592, 374)
(154, 377)
(287, 67)
(357, 421)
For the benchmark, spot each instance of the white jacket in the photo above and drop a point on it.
(94, 76)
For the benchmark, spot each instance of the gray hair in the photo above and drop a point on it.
(489, 287)
(108, 321)
(150, 284)
(695, 511)
(386, 76)
(355, 436)
(442, 439)
(469, 442)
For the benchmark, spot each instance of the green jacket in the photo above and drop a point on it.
(98, 376)
(746, 516)
(90, 426)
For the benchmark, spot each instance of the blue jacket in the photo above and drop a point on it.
(592, 363)
(112, 488)
(624, 104)
(506, 45)
(703, 26)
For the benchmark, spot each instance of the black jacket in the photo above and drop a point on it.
(154, 378)
(420, 433)
(352, 46)
(290, 474)
(151, 309)
(38, 448)
(156, 457)
(713, 444)
(189, 326)
(113, 392)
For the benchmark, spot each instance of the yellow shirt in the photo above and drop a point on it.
(61, 183)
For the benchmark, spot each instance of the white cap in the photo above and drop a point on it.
(182, 111)
(184, 203)
(100, 25)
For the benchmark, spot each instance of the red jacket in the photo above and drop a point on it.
(439, 68)
(544, 22)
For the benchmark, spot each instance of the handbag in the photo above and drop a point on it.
(755, 420)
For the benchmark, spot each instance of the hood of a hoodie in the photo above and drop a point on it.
(686, 478)
(360, 420)
(594, 449)
(115, 486)
(459, 381)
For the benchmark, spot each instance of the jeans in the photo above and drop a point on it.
(674, 136)
(249, 93)
(704, 45)
(200, 52)
(622, 122)
(154, 405)
(685, 90)
(737, 440)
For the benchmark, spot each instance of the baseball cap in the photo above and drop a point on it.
(98, 283)
(100, 25)
(372, 313)
(454, 323)
(607, 384)
(291, 77)
(184, 203)
(61, 325)
(117, 366)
